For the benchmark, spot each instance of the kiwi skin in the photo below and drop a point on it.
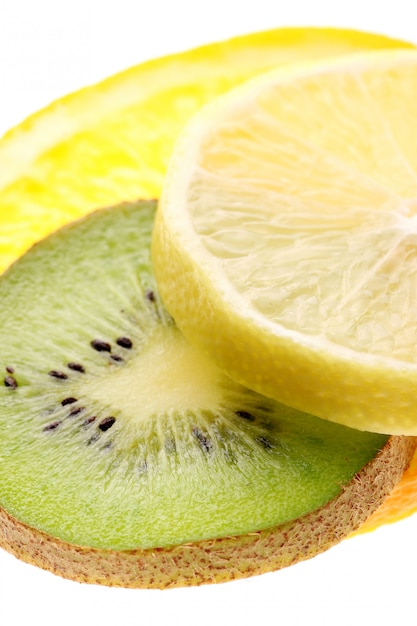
(224, 559)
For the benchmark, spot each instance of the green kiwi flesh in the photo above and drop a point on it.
(116, 434)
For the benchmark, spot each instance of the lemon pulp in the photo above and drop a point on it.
(289, 210)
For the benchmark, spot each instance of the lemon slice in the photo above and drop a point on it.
(111, 142)
(286, 239)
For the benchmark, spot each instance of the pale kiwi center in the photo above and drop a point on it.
(137, 386)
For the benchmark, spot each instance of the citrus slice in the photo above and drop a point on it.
(111, 142)
(287, 237)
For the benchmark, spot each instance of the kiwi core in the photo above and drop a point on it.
(137, 386)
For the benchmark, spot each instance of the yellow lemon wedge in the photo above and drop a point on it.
(111, 142)
(286, 238)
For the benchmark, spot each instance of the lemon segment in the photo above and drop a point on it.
(288, 223)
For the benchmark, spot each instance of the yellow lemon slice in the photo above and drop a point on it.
(111, 142)
(286, 238)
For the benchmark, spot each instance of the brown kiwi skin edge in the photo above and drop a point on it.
(224, 559)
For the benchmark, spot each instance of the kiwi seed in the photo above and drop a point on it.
(106, 423)
(76, 411)
(90, 420)
(69, 400)
(52, 426)
(57, 374)
(124, 342)
(76, 367)
(100, 346)
(10, 381)
(245, 415)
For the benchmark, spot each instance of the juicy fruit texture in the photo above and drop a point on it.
(127, 458)
(111, 142)
(116, 433)
(288, 211)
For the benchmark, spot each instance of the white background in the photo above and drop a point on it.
(51, 47)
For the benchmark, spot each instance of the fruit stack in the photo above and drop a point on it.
(222, 382)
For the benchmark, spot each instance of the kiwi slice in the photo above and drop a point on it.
(128, 458)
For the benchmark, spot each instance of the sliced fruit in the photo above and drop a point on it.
(288, 220)
(55, 163)
(400, 503)
(126, 457)
(111, 142)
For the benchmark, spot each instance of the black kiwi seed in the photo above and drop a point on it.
(246, 415)
(204, 441)
(87, 422)
(57, 374)
(9, 369)
(76, 367)
(76, 411)
(117, 358)
(10, 382)
(52, 426)
(150, 295)
(124, 342)
(106, 423)
(66, 401)
(100, 346)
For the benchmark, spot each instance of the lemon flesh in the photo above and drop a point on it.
(288, 218)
